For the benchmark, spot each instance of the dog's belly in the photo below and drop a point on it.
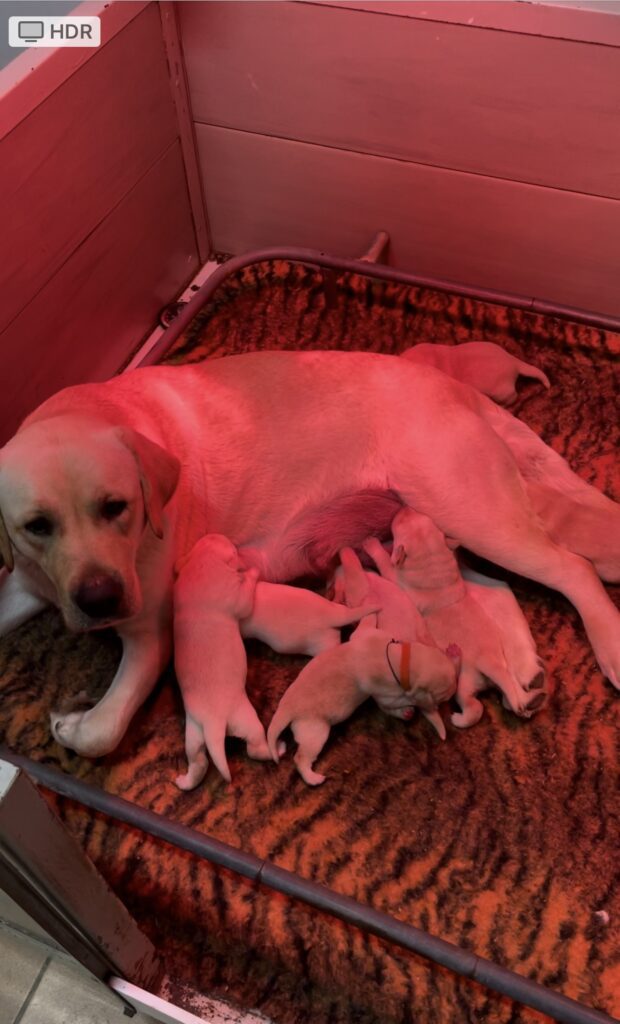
(310, 543)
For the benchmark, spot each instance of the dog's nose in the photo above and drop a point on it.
(99, 596)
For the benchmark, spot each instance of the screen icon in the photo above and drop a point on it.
(30, 31)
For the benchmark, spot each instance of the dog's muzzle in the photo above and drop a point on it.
(99, 596)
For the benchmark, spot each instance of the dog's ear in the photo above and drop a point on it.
(398, 555)
(159, 475)
(6, 551)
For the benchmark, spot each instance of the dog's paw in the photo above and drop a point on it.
(78, 732)
(528, 703)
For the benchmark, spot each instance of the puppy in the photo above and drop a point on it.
(424, 565)
(293, 620)
(398, 676)
(397, 614)
(481, 364)
(211, 594)
(498, 601)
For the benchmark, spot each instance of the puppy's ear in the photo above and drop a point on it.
(6, 551)
(398, 556)
(159, 475)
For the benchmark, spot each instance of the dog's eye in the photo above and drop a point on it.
(41, 526)
(113, 508)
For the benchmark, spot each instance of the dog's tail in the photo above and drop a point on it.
(215, 741)
(355, 583)
(277, 726)
(528, 370)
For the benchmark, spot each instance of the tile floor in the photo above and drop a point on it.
(40, 984)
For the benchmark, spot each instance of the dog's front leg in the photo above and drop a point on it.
(99, 730)
(18, 602)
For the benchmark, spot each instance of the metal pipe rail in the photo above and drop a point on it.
(447, 954)
(366, 268)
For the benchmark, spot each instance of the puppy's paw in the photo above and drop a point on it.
(468, 716)
(194, 775)
(259, 750)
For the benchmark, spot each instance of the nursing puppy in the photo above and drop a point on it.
(293, 620)
(398, 676)
(498, 601)
(481, 364)
(396, 613)
(424, 565)
(106, 486)
(211, 594)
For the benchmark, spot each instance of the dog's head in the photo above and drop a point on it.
(76, 496)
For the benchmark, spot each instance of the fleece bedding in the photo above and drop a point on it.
(504, 839)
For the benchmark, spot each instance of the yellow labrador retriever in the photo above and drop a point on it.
(292, 455)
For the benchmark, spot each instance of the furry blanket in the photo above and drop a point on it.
(504, 839)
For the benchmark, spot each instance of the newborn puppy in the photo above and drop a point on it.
(498, 601)
(483, 365)
(423, 563)
(398, 676)
(397, 614)
(293, 620)
(211, 595)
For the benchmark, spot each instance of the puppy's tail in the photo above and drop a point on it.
(215, 741)
(277, 726)
(355, 583)
(527, 370)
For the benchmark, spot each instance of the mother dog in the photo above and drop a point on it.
(292, 455)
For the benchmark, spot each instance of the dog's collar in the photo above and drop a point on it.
(405, 661)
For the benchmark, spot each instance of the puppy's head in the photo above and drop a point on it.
(413, 532)
(76, 497)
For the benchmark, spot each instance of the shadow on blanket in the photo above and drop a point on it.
(504, 839)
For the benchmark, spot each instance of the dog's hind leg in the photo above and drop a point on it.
(245, 725)
(474, 493)
(468, 686)
(311, 736)
(197, 761)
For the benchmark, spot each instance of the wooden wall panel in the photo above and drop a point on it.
(500, 104)
(96, 309)
(482, 231)
(597, 24)
(77, 154)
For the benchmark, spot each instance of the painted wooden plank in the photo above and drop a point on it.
(35, 74)
(598, 24)
(40, 856)
(542, 111)
(68, 164)
(485, 232)
(185, 124)
(86, 322)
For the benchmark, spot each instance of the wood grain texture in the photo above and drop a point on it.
(596, 25)
(542, 111)
(68, 164)
(489, 233)
(36, 73)
(97, 308)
